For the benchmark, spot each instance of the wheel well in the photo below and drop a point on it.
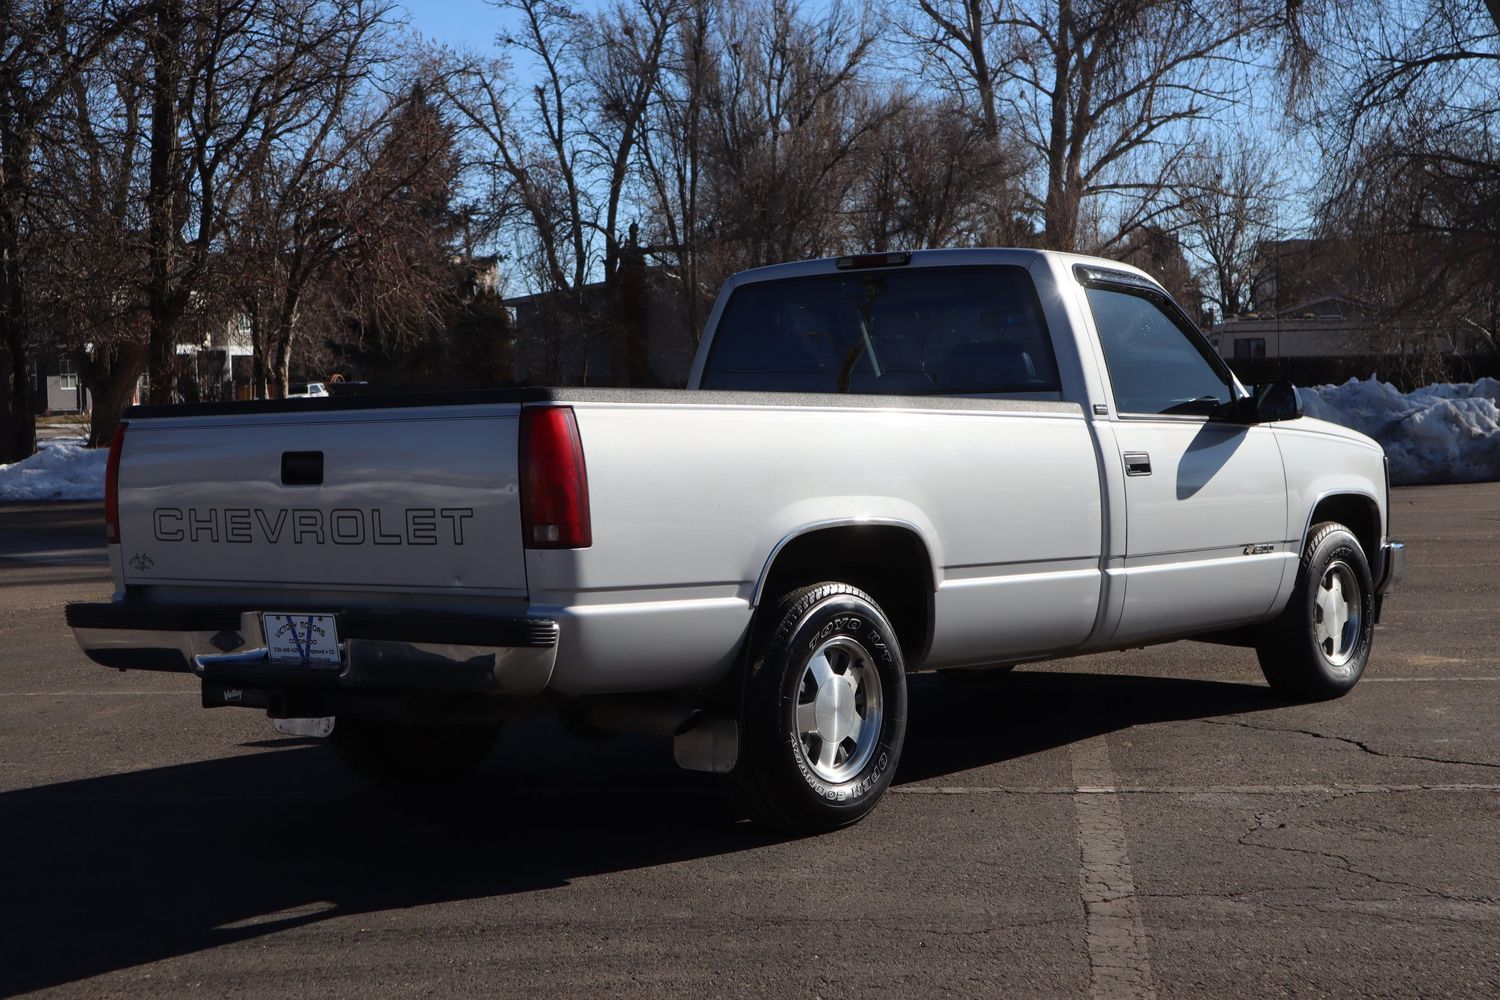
(1357, 513)
(890, 564)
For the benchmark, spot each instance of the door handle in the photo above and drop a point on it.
(1137, 463)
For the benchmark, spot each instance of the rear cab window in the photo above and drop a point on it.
(961, 331)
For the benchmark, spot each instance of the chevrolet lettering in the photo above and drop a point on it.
(311, 525)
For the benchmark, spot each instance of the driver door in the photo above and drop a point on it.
(1205, 497)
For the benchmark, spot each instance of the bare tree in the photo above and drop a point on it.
(628, 42)
(1159, 252)
(562, 154)
(1412, 160)
(672, 152)
(396, 278)
(1227, 196)
(44, 46)
(85, 265)
(1103, 93)
(231, 79)
(791, 113)
(936, 178)
(327, 180)
(527, 149)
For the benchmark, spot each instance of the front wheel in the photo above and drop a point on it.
(824, 712)
(1319, 646)
(387, 753)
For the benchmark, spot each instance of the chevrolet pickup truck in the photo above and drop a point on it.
(952, 459)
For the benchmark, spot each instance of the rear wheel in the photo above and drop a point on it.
(1319, 646)
(824, 712)
(387, 753)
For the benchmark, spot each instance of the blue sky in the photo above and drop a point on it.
(471, 23)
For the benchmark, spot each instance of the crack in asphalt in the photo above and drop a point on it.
(1350, 741)
(1349, 867)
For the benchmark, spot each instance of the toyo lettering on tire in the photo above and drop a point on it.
(824, 712)
(1319, 646)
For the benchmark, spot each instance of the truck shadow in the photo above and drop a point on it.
(959, 723)
(117, 871)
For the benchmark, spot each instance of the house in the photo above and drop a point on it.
(581, 337)
(1311, 299)
(217, 366)
(57, 387)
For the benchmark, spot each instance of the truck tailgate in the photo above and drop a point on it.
(422, 499)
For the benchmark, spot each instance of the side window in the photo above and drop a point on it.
(1154, 364)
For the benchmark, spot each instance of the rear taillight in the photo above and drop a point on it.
(554, 485)
(112, 487)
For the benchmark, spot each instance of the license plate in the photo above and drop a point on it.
(307, 640)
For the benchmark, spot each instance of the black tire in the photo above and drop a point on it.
(783, 779)
(390, 754)
(1297, 656)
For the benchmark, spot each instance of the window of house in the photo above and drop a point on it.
(67, 376)
(1249, 347)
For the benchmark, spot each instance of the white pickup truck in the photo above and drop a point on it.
(885, 463)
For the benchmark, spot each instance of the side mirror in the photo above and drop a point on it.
(1271, 401)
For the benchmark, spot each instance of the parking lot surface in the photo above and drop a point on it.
(1150, 823)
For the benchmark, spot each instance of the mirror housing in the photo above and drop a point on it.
(1269, 402)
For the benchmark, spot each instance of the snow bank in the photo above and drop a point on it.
(62, 470)
(1445, 433)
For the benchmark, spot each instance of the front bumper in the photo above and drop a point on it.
(225, 647)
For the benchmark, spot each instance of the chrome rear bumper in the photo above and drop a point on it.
(377, 650)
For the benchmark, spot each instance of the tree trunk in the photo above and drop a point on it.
(281, 337)
(280, 383)
(110, 382)
(17, 414)
(1060, 212)
(162, 231)
(17, 417)
(259, 376)
(281, 360)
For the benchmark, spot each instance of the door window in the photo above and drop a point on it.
(1156, 363)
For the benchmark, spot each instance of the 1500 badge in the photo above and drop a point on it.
(312, 526)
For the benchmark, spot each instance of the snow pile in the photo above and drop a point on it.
(1444, 433)
(62, 470)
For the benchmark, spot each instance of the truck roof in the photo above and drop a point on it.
(942, 257)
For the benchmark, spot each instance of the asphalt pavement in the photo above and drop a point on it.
(1143, 824)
